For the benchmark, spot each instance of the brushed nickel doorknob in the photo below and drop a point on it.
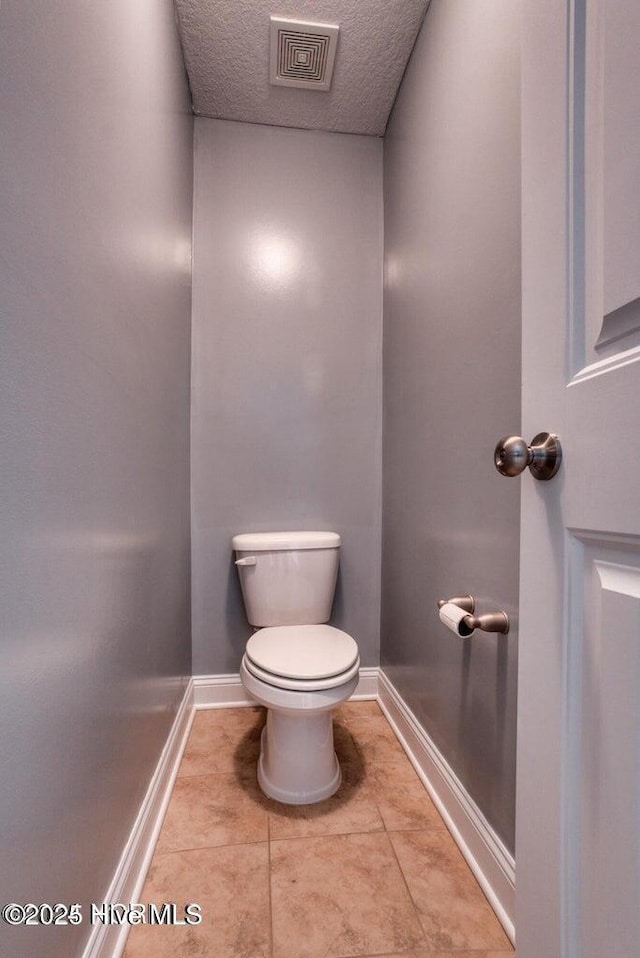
(543, 457)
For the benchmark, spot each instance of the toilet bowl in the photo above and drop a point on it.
(299, 671)
(298, 764)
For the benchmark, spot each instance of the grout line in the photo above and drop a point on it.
(406, 885)
(204, 848)
(324, 835)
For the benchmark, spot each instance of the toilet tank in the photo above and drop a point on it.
(287, 578)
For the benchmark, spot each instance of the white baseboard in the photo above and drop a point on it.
(487, 856)
(107, 941)
(220, 692)
(367, 687)
(227, 691)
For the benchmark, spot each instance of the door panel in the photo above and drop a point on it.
(602, 405)
(621, 155)
(600, 761)
(578, 811)
(606, 128)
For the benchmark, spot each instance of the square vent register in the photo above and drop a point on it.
(302, 54)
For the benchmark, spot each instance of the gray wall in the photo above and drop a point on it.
(287, 309)
(95, 213)
(451, 386)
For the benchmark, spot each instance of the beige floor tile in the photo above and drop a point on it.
(453, 911)
(403, 801)
(336, 886)
(353, 714)
(339, 896)
(357, 710)
(374, 740)
(208, 810)
(470, 954)
(223, 740)
(350, 756)
(451, 954)
(230, 884)
(352, 809)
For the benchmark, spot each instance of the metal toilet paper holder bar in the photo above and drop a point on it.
(489, 622)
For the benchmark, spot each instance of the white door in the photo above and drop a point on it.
(578, 805)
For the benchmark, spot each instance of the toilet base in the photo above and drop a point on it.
(298, 764)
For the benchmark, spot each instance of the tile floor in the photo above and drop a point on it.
(371, 871)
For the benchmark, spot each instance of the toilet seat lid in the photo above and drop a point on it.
(302, 651)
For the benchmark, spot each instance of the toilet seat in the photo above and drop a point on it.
(302, 657)
(300, 685)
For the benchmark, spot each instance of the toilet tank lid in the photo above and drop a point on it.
(284, 541)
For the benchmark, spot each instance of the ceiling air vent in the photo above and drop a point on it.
(302, 54)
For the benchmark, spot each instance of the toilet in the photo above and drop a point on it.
(294, 664)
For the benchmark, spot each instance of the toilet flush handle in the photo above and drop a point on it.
(248, 560)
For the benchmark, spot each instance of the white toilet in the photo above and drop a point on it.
(297, 667)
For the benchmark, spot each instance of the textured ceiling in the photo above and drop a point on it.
(226, 49)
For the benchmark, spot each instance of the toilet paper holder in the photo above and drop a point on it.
(489, 622)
